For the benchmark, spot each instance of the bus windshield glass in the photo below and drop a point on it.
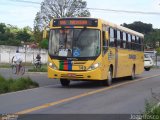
(74, 42)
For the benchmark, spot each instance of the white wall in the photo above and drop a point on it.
(28, 54)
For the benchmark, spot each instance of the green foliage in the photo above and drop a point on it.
(11, 85)
(23, 36)
(44, 44)
(2, 28)
(38, 70)
(22, 83)
(12, 35)
(151, 111)
(158, 51)
(151, 36)
(2, 79)
(139, 27)
(37, 35)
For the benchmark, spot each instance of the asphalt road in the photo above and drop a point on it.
(123, 97)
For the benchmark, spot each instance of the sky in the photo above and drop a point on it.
(22, 14)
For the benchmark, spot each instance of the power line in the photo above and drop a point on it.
(100, 9)
(25, 1)
(125, 11)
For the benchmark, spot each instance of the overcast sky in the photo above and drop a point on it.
(23, 14)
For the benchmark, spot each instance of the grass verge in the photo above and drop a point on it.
(12, 85)
(42, 69)
(152, 112)
(5, 65)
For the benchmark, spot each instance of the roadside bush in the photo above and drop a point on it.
(11, 85)
(2, 78)
(152, 112)
(22, 83)
(3, 87)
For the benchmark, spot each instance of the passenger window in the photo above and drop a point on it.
(105, 44)
(124, 40)
(138, 46)
(111, 33)
(118, 39)
(129, 42)
(133, 42)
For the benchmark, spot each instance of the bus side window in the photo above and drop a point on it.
(118, 39)
(105, 43)
(115, 38)
(129, 42)
(124, 40)
(138, 46)
(133, 42)
(121, 36)
(112, 37)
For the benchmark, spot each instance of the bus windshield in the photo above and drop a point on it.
(74, 42)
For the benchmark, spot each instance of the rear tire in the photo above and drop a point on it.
(133, 75)
(65, 82)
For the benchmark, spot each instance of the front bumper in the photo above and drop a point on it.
(78, 75)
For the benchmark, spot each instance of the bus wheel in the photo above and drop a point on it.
(132, 77)
(65, 82)
(108, 82)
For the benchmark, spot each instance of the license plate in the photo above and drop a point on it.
(71, 75)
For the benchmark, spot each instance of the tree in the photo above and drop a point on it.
(139, 27)
(23, 36)
(59, 8)
(44, 44)
(2, 28)
(152, 38)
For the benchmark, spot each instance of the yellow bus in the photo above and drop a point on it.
(90, 49)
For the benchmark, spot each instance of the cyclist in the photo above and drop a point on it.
(17, 59)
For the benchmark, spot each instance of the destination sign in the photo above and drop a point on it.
(75, 22)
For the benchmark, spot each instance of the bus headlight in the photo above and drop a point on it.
(94, 66)
(52, 65)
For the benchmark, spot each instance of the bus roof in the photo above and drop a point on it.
(122, 28)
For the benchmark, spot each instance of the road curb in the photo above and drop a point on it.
(36, 72)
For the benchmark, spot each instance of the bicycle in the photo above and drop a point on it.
(17, 68)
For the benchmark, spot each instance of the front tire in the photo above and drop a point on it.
(108, 82)
(65, 82)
